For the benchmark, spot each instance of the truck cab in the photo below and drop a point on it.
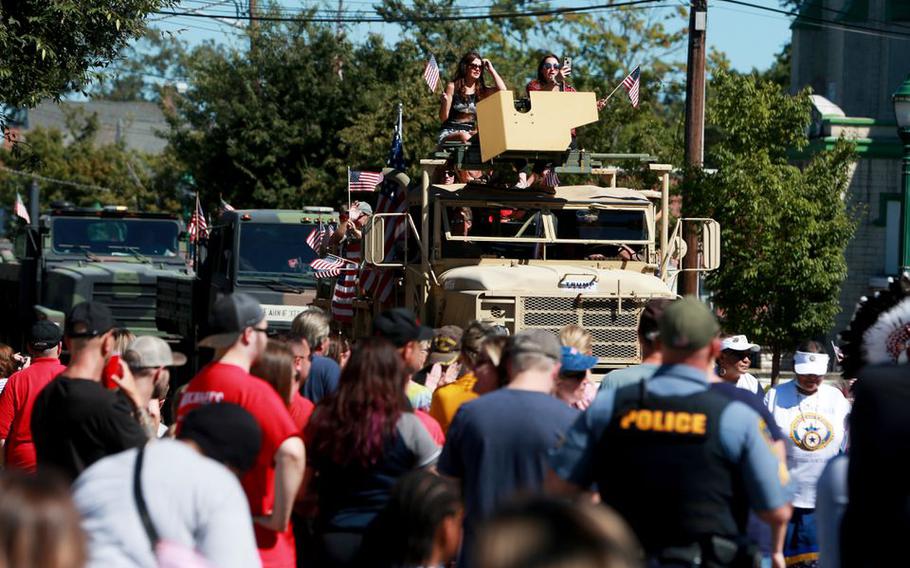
(113, 256)
(262, 252)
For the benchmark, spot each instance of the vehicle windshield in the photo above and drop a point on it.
(115, 236)
(616, 229)
(276, 250)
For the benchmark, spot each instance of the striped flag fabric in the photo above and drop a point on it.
(225, 206)
(198, 229)
(363, 181)
(315, 238)
(331, 266)
(20, 210)
(632, 84)
(550, 178)
(431, 73)
(379, 283)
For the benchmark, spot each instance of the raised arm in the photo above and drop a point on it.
(445, 102)
(500, 84)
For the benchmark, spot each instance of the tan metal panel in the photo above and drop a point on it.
(546, 127)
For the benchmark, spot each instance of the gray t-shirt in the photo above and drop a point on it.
(192, 500)
(630, 375)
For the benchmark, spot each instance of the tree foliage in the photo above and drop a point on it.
(784, 228)
(277, 125)
(50, 47)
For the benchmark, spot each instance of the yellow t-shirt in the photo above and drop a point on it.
(449, 398)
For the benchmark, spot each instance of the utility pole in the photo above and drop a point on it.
(695, 124)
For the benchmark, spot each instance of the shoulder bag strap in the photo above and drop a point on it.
(140, 501)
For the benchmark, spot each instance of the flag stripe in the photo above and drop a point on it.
(431, 73)
(364, 181)
(632, 84)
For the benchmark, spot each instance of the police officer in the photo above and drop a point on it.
(680, 462)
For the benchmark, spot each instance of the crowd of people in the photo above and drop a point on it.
(420, 447)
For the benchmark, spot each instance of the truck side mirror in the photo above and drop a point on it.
(374, 241)
(709, 255)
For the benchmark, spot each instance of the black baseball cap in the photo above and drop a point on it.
(44, 334)
(649, 322)
(225, 432)
(400, 326)
(88, 319)
(231, 314)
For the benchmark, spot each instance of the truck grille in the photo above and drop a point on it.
(132, 304)
(615, 330)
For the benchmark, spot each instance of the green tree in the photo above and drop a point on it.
(784, 228)
(100, 174)
(51, 47)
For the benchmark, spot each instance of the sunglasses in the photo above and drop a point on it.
(475, 66)
(737, 354)
(550, 66)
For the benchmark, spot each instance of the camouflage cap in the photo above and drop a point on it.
(687, 325)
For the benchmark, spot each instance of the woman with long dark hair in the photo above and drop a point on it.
(458, 108)
(362, 438)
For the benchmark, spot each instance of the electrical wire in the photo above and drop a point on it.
(822, 22)
(440, 18)
(54, 180)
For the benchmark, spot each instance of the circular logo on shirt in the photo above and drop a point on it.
(811, 431)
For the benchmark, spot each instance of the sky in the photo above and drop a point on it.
(749, 37)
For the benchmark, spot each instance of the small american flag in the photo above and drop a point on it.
(431, 73)
(198, 228)
(316, 236)
(225, 206)
(331, 266)
(632, 84)
(20, 210)
(550, 178)
(364, 181)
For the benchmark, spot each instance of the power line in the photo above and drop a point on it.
(441, 18)
(54, 180)
(822, 22)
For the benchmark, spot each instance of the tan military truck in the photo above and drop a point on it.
(535, 258)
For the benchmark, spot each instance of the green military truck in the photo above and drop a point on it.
(111, 256)
(262, 252)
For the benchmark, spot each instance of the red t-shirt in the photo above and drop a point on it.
(220, 382)
(301, 409)
(16, 404)
(432, 426)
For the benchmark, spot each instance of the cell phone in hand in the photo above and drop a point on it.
(111, 368)
(567, 62)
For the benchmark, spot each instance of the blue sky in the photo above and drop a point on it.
(749, 37)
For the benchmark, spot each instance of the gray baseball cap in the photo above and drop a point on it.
(149, 352)
(537, 341)
(231, 314)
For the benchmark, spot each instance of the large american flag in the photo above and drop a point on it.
(363, 181)
(632, 84)
(198, 229)
(379, 283)
(431, 73)
(20, 210)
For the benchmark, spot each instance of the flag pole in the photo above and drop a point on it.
(349, 190)
(196, 238)
(613, 92)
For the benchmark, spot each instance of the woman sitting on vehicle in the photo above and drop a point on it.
(458, 108)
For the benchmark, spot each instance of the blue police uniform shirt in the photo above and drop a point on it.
(322, 380)
(743, 438)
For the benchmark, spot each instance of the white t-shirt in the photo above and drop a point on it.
(193, 501)
(749, 383)
(815, 430)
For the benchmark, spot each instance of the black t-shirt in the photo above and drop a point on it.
(76, 422)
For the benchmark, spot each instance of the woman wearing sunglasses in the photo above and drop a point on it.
(551, 76)
(458, 108)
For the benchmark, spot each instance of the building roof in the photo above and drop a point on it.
(138, 124)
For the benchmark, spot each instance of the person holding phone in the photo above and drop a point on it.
(551, 75)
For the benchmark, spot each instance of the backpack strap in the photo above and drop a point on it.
(140, 501)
